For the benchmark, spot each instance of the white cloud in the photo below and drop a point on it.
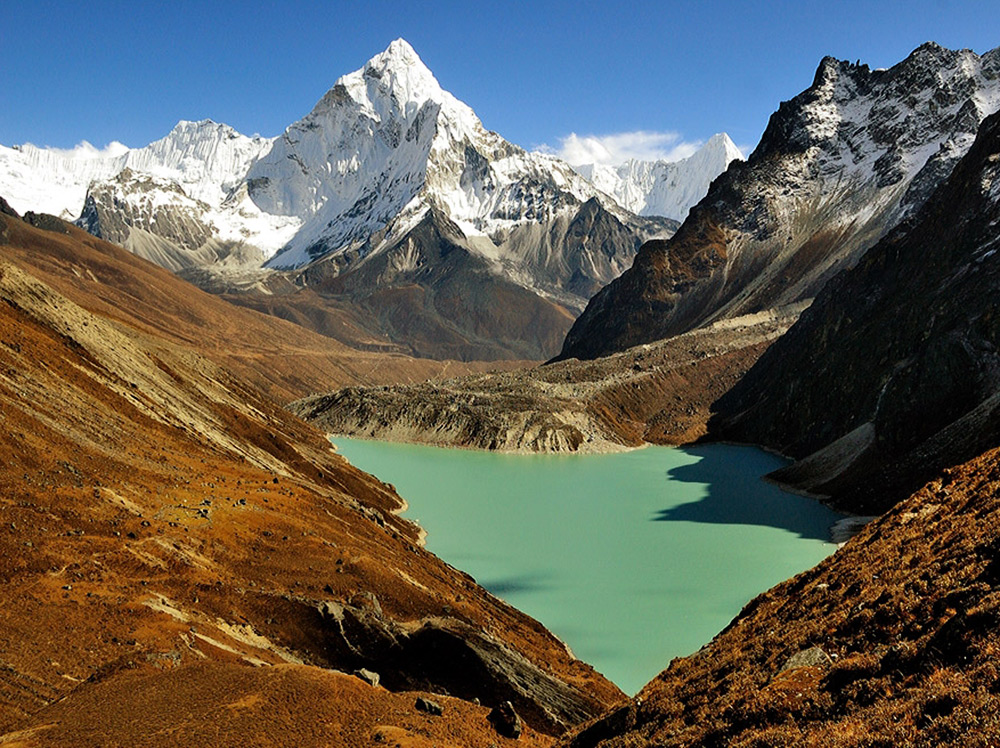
(85, 151)
(617, 148)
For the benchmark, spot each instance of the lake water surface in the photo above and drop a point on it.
(631, 558)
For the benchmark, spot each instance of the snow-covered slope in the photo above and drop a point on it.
(378, 151)
(49, 180)
(203, 162)
(205, 158)
(664, 188)
(387, 143)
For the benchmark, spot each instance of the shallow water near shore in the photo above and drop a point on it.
(630, 558)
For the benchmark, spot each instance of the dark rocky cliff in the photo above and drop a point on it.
(838, 167)
(894, 372)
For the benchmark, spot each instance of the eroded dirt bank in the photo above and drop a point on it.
(658, 393)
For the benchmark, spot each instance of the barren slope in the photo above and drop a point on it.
(281, 358)
(157, 511)
(658, 393)
(221, 705)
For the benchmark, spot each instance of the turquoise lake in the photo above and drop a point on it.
(631, 558)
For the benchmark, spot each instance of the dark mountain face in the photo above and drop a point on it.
(436, 293)
(432, 294)
(894, 372)
(837, 168)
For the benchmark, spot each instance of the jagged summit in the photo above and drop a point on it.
(838, 166)
(384, 146)
(664, 188)
(396, 77)
(378, 150)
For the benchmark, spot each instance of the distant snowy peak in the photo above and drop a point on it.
(387, 144)
(394, 84)
(51, 180)
(206, 158)
(664, 188)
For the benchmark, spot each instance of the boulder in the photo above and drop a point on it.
(812, 657)
(505, 721)
(431, 707)
(368, 676)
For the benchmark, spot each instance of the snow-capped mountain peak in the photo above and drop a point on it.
(386, 138)
(394, 83)
(208, 159)
(664, 188)
(385, 146)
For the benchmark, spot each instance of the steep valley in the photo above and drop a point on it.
(165, 522)
(185, 559)
(884, 388)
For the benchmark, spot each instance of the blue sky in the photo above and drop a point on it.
(535, 72)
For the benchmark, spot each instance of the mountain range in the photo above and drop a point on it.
(166, 524)
(389, 197)
(664, 188)
(838, 167)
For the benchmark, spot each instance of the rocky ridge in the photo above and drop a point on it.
(892, 374)
(658, 393)
(837, 167)
(155, 219)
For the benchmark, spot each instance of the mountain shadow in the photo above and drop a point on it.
(738, 495)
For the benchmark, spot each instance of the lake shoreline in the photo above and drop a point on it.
(608, 577)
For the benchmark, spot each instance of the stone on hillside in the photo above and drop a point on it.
(431, 707)
(368, 676)
(812, 657)
(505, 720)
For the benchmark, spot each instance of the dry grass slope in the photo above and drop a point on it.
(159, 513)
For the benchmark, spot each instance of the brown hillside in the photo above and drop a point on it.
(283, 359)
(160, 512)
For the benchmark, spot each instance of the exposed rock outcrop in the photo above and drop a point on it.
(155, 219)
(893, 374)
(506, 721)
(653, 393)
(837, 168)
